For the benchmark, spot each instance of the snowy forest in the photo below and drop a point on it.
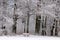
(37, 17)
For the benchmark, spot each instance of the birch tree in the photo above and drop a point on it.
(15, 17)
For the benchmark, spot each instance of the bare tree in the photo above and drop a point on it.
(28, 4)
(38, 24)
(15, 17)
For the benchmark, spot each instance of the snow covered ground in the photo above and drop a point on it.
(30, 37)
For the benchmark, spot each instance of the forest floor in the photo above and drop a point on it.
(28, 37)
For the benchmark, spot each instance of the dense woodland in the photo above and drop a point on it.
(38, 17)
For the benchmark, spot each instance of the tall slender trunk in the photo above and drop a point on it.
(15, 18)
(28, 16)
(56, 33)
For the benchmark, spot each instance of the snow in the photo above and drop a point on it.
(31, 37)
